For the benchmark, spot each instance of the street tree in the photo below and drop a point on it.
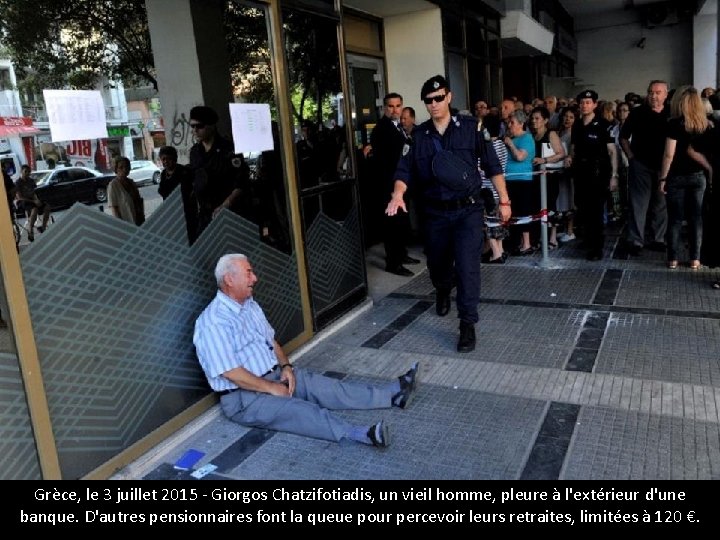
(57, 44)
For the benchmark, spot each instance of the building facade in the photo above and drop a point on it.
(121, 307)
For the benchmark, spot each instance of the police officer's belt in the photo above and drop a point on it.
(454, 204)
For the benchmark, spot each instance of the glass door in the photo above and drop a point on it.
(367, 89)
(329, 199)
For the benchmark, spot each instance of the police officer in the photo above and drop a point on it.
(221, 178)
(451, 201)
(594, 164)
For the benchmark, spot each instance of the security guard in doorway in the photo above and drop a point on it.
(443, 166)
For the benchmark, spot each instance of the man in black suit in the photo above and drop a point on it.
(387, 143)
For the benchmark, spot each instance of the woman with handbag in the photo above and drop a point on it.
(549, 152)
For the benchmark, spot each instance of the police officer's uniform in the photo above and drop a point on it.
(453, 220)
(591, 171)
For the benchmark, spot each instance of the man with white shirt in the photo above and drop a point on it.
(258, 385)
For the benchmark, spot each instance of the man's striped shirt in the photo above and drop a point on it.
(229, 334)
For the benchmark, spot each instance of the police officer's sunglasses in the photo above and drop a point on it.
(436, 99)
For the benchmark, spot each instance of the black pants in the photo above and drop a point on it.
(396, 231)
(454, 243)
(591, 188)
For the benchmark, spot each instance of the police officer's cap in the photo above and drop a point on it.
(433, 84)
(204, 114)
(592, 94)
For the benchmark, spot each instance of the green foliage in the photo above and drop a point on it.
(312, 57)
(55, 44)
(246, 37)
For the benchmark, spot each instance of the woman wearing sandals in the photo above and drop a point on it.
(681, 177)
(706, 151)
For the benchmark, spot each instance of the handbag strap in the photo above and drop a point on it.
(436, 143)
(476, 156)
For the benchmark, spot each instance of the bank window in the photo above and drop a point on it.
(453, 31)
(475, 38)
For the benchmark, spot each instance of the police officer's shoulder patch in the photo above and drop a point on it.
(406, 149)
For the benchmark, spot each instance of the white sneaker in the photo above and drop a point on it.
(565, 237)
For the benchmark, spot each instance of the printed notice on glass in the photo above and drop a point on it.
(251, 127)
(75, 115)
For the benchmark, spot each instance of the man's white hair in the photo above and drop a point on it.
(225, 265)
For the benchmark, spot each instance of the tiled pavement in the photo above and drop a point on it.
(604, 370)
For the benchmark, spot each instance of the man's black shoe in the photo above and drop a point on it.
(594, 255)
(379, 435)
(634, 249)
(442, 302)
(660, 247)
(411, 260)
(399, 271)
(466, 343)
(408, 383)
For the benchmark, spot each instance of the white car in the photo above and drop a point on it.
(144, 172)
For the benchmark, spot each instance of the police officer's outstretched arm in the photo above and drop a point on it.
(397, 200)
(402, 179)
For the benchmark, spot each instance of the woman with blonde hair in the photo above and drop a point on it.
(681, 177)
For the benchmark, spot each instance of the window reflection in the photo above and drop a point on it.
(316, 96)
(7, 344)
(328, 196)
(246, 31)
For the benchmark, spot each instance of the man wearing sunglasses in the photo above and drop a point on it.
(443, 167)
(220, 175)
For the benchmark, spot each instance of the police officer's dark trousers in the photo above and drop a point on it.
(591, 187)
(454, 240)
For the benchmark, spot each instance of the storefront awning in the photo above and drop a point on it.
(17, 126)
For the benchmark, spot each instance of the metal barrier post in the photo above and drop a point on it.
(544, 262)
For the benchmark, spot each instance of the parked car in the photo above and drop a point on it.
(144, 172)
(65, 186)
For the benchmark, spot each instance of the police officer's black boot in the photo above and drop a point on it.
(466, 343)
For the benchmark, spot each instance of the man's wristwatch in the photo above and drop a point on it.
(505, 203)
(282, 366)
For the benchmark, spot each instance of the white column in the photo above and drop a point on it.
(191, 63)
(705, 41)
